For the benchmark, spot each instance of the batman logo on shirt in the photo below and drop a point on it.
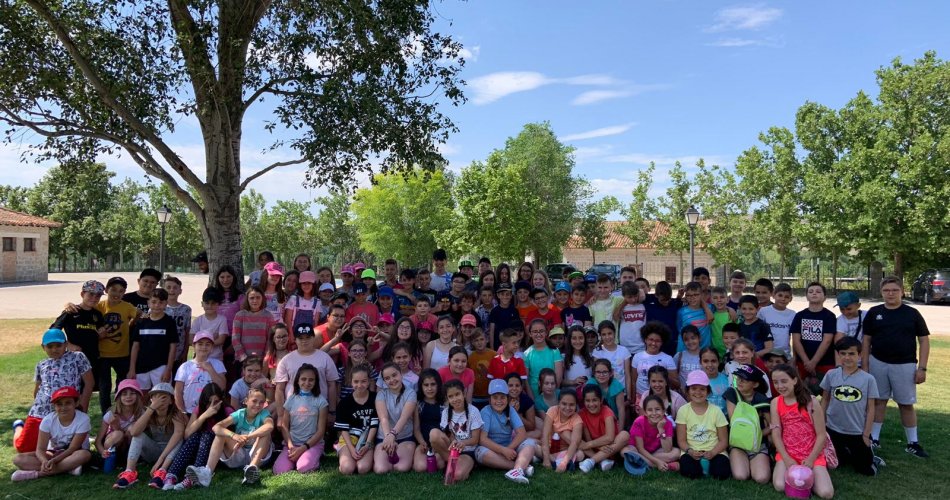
(848, 394)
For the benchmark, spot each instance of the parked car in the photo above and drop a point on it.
(556, 271)
(612, 270)
(933, 285)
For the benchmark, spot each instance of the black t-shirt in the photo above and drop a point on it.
(758, 332)
(894, 333)
(155, 338)
(428, 294)
(813, 327)
(356, 418)
(732, 395)
(502, 317)
(81, 329)
(572, 315)
(140, 303)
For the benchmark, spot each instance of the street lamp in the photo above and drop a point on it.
(692, 218)
(164, 215)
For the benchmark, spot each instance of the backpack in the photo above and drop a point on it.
(745, 432)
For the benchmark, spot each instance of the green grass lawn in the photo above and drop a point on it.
(904, 476)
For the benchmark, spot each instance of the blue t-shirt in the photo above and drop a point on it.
(498, 427)
(696, 317)
(242, 426)
(719, 386)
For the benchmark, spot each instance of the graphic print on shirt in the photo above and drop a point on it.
(629, 316)
(114, 323)
(812, 329)
(847, 394)
(700, 434)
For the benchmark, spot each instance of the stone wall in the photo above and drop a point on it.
(20, 265)
(654, 266)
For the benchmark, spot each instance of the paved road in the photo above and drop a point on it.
(45, 300)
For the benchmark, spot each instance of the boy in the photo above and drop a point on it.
(523, 301)
(753, 328)
(486, 302)
(779, 317)
(441, 280)
(701, 276)
(627, 273)
(252, 376)
(501, 317)
(422, 313)
(556, 337)
(762, 290)
(148, 280)
(212, 322)
(361, 307)
(631, 316)
(114, 343)
(424, 285)
(604, 304)
(576, 313)
(384, 301)
(86, 326)
(181, 313)
(192, 377)
(543, 310)
(154, 343)
(479, 360)
(61, 368)
(406, 295)
(774, 358)
(848, 395)
(695, 312)
(851, 317)
(507, 362)
(722, 314)
(63, 441)
(813, 330)
(562, 296)
(730, 334)
(663, 308)
(737, 281)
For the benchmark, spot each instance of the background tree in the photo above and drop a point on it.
(334, 225)
(592, 224)
(671, 212)
(640, 214)
(724, 228)
(14, 197)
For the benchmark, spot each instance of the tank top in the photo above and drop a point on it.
(440, 358)
(798, 430)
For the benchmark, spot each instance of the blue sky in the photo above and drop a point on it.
(630, 82)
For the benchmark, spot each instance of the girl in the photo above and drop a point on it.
(115, 436)
(578, 361)
(347, 278)
(325, 275)
(338, 346)
(291, 282)
(278, 345)
(232, 292)
(460, 429)
(524, 405)
(401, 359)
(405, 333)
(274, 298)
(302, 263)
(659, 380)
(611, 390)
(525, 272)
(539, 279)
(198, 437)
(718, 381)
(687, 360)
(798, 431)
(603, 438)
(247, 446)
(431, 399)
(746, 463)
(395, 405)
(437, 351)
(357, 423)
(304, 307)
(654, 334)
(618, 355)
(357, 352)
(540, 356)
(303, 424)
(251, 326)
(651, 437)
(458, 369)
(62, 445)
(548, 391)
(743, 353)
(503, 273)
(590, 334)
(156, 436)
(425, 333)
(504, 443)
(702, 431)
(563, 430)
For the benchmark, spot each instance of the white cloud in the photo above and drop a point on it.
(593, 79)
(447, 149)
(493, 86)
(620, 188)
(600, 132)
(751, 17)
(585, 154)
(735, 42)
(592, 96)
(470, 54)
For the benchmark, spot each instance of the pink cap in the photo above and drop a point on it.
(357, 266)
(386, 318)
(426, 325)
(129, 383)
(274, 268)
(307, 277)
(203, 335)
(348, 269)
(468, 320)
(697, 377)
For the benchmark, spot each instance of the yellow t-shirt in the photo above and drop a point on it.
(701, 430)
(477, 361)
(118, 318)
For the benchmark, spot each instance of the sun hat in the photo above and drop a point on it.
(129, 383)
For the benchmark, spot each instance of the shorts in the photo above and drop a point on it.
(763, 450)
(481, 451)
(895, 381)
(819, 462)
(341, 443)
(242, 456)
(398, 441)
(26, 441)
(150, 379)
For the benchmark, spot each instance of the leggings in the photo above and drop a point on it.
(194, 451)
(719, 467)
(308, 461)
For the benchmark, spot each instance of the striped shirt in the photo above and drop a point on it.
(250, 332)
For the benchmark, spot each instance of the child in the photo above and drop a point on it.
(62, 445)
(631, 316)
(750, 463)
(502, 316)
(687, 360)
(507, 361)
(357, 423)
(654, 335)
(696, 312)
(779, 317)
(486, 301)
(467, 324)
(401, 358)
(251, 325)
(405, 333)
(722, 314)
(730, 334)
(702, 432)
(181, 313)
(303, 424)
(154, 343)
(799, 432)
(431, 399)
(278, 346)
(718, 381)
(251, 377)
(753, 328)
(743, 353)
(84, 324)
(851, 319)
(460, 429)
(148, 280)
(543, 309)
(737, 282)
(556, 338)
(437, 351)
(563, 431)
(458, 369)
(848, 395)
(578, 361)
(248, 445)
(478, 361)
(524, 405)
(562, 298)
(504, 443)
(576, 312)
(813, 331)
(395, 405)
(763, 289)
(199, 436)
(195, 374)
(604, 304)
(540, 356)
(61, 368)
(602, 438)
(156, 436)
(213, 322)
(548, 391)
(114, 437)
(114, 343)
(618, 355)
(523, 302)
(651, 437)
(659, 380)
(422, 313)
(304, 307)
(610, 389)
(663, 308)
(590, 335)
(357, 352)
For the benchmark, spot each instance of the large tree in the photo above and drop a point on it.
(592, 224)
(347, 85)
(640, 214)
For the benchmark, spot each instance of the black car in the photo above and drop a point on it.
(556, 271)
(612, 270)
(933, 285)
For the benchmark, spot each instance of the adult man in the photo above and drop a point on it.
(441, 279)
(896, 351)
(202, 260)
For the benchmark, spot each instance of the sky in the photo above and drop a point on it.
(627, 83)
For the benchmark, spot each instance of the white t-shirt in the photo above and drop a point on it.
(642, 362)
(578, 369)
(217, 326)
(849, 327)
(60, 436)
(194, 380)
(462, 424)
(617, 358)
(687, 363)
(632, 319)
(779, 322)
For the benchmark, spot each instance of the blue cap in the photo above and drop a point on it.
(562, 286)
(635, 464)
(590, 278)
(387, 292)
(845, 299)
(497, 386)
(54, 335)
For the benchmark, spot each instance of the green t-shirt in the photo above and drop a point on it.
(536, 360)
(720, 318)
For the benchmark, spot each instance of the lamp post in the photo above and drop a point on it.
(164, 215)
(692, 218)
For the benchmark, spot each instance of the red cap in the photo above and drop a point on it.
(468, 320)
(64, 392)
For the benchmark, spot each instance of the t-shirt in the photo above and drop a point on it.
(395, 403)
(596, 423)
(499, 368)
(779, 323)
(617, 358)
(894, 333)
(462, 424)
(666, 315)
(561, 424)
(243, 427)
(61, 435)
(673, 404)
(304, 411)
(648, 432)
(182, 316)
(632, 319)
(479, 361)
(813, 327)
(410, 379)
(239, 390)
(758, 332)
(81, 328)
(155, 337)
(500, 427)
(718, 386)
(603, 310)
(356, 418)
(696, 317)
(274, 306)
(571, 316)
(118, 317)
(536, 359)
(369, 312)
(250, 332)
(720, 318)
(346, 390)
(577, 369)
(52, 374)
(467, 377)
(551, 317)
(852, 327)
(848, 399)
(502, 318)
(642, 362)
(288, 366)
(686, 363)
(194, 379)
(701, 430)
(140, 303)
(217, 326)
(441, 282)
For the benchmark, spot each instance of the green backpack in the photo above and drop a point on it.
(745, 432)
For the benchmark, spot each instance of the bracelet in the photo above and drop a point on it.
(923, 369)
(307, 445)
(392, 432)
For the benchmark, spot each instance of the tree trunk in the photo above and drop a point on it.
(834, 271)
(221, 232)
(593, 256)
(899, 265)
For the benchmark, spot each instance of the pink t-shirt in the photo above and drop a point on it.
(467, 378)
(649, 433)
(288, 366)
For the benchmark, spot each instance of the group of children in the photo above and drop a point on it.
(424, 374)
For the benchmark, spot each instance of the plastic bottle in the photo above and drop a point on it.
(450, 466)
(108, 464)
(432, 465)
(394, 457)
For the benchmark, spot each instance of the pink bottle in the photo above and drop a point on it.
(450, 467)
(432, 465)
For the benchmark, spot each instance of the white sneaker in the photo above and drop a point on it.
(606, 465)
(516, 475)
(586, 465)
(198, 475)
(77, 471)
(251, 475)
(529, 471)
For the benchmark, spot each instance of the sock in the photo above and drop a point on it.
(876, 430)
(911, 433)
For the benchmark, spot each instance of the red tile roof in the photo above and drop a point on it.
(615, 239)
(11, 218)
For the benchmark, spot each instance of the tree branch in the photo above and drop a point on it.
(268, 168)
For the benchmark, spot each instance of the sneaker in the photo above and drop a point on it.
(673, 466)
(916, 450)
(24, 475)
(198, 475)
(251, 475)
(170, 481)
(586, 465)
(77, 471)
(529, 471)
(875, 444)
(878, 461)
(183, 485)
(126, 479)
(516, 475)
(606, 465)
(158, 479)
(17, 423)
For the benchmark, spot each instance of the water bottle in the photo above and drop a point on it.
(432, 465)
(705, 465)
(394, 457)
(450, 467)
(108, 464)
